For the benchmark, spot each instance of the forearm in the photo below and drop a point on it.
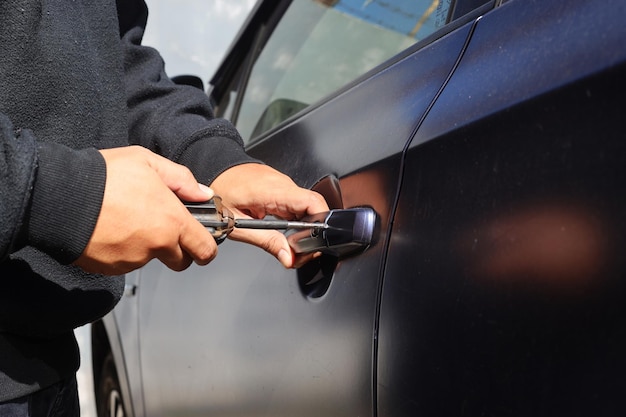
(175, 121)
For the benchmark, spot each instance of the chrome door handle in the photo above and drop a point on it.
(345, 231)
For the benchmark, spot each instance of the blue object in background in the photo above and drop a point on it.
(403, 16)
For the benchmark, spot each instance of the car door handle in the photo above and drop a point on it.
(344, 232)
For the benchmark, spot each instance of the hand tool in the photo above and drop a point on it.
(338, 232)
(220, 221)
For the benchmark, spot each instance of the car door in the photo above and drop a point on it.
(513, 229)
(329, 92)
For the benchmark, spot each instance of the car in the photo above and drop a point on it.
(488, 137)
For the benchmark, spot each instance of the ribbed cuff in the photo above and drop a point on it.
(66, 200)
(209, 157)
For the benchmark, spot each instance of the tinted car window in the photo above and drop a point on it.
(319, 46)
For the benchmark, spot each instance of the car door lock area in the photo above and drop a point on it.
(342, 232)
(346, 232)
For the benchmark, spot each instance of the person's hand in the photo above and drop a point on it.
(142, 217)
(255, 190)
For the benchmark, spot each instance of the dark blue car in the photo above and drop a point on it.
(489, 137)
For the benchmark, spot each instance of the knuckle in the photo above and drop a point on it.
(317, 199)
(185, 174)
(162, 241)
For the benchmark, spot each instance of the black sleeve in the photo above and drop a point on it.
(173, 120)
(51, 194)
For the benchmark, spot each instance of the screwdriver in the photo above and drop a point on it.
(220, 221)
(336, 232)
(277, 224)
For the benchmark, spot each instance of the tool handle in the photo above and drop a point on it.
(216, 218)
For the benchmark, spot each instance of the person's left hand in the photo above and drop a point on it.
(256, 190)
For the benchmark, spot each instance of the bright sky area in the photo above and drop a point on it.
(193, 35)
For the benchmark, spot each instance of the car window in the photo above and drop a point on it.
(321, 45)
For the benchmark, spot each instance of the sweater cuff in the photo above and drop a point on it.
(66, 200)
(209, 157)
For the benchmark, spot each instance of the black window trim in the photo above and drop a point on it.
(264, 21)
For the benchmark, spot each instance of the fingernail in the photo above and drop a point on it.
(209, 192)
(285, 258)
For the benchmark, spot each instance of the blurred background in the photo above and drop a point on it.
(192, 36)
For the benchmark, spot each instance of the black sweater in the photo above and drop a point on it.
(74, 78)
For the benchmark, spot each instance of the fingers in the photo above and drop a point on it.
(258, 190)
(184, 240)
(197, 242)
(275, 243)
(271, 241)
(179, 179)
(142, 218)
(307, 202)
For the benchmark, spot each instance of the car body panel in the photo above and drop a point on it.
(512, 226)
(242, 335)
(122, 330)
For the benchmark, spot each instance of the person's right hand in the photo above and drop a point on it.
(142, 217)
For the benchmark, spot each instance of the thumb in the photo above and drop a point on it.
(180, 180)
